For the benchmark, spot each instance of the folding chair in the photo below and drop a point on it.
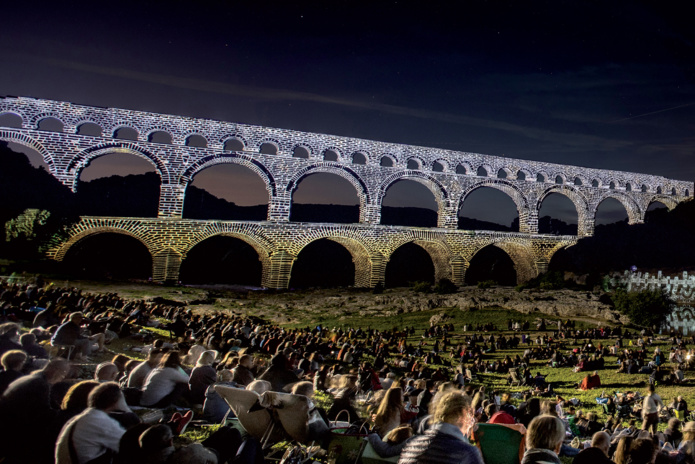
(498, 444)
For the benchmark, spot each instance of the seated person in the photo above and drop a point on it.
(590, 381)
(30, 347)
(393, 443)
(70, 334)
(166, 384)
(12, 363)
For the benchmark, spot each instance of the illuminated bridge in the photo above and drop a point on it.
(68, 137)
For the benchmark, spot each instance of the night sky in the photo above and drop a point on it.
(602, 84)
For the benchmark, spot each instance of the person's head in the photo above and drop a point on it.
(76, 318)
(246, 360)
(13, 360)
(689, 431)
(27, 339)
(170, 359)
(206, 358)
(545, 432)
(154, 357)
(155, 439)
(491, 409)
(120, 361)
(622, 450)
(106, 372)
(650, 388)
(548, 408)
(398, 435)
(303, 388)
(76, 397)
(674, 424)
(602, 441)
(391, 402)
(56, 370)
(259, 386)
(642, 451)
(455, 408)
(9, 331)
(106, 397)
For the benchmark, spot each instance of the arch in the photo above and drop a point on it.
(414, 163)
(463, 168)
(437, 252)
(482, 171)
(244, 160)
(269, 147)
(578, 181)
(669, 202)
(440, 193)
(233, 143)
(634, 212)
(541, 177)
(491, 263)
(359, 158)
(644, 188)
(358, 251)
(326, 198)
(160, 136)
(333, 168)
(504, 173)
(560, 179)
(50, 124)
(387, 161)
(523, 174)
(251, 235)
(90, 231)
(596, 183)
(196, 140)
(507, 187)
(125, 133)
(611, 186)
(11, 119)
(628, 187)
(22, 139)
(224, 258)
(331, 154)
(301, 151)
(581, 204)
(82, 160)
(440, 165)
(89, 128)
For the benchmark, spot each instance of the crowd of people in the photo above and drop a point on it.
(422, 400)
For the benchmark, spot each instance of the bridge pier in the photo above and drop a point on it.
(171, 201)
(279, 208)
(166, 265)
(277, 274)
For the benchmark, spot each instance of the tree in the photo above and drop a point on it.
(647, 308)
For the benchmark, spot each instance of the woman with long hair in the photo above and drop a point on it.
(166, 384)
(388, 415)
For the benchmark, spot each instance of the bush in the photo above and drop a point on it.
(445, 286)
(421, 287)
(648, 308)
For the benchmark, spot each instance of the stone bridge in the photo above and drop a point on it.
(180, 147)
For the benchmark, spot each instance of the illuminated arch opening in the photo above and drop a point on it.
(11, 120)
(409, 203)
(125, 133)
(521, 175)
(227, 192)
(160, 137)
(109, 255)
(610, 211)
(300, 152)
(491, 264)
(197, 141)
(359, 158)
(557, 215)
(386, 162)
(34, 157)
(118, 184)
(268, 149)
(325, 197)
(90, 129)
(222, 260)
(233, 144)
(482, 172)
(438, 166)
(409, 263)
(330, 155)
(413, 164)
(323, 263)
(460, 169)
(50, 124)
(487, 208)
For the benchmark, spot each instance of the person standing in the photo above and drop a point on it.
(650, 410)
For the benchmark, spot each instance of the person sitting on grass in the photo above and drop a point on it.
(70, 334)
(167, 384)
(544, 439)
(12, 364)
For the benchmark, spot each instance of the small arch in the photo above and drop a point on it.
(300, 152)
(11, 120)
(413, 164)
(577, 181)
(437, 167)
(268, 148)
(160, 136)
(540, 177)
(197, 141)
(126, 133)
(481, 172)
(628, 187)
(595, 183)
(559, 180)
(461, 169)
(233, 144)
(673, 191)
(90, 129)
(658, 190)
(644, 188)
(326, 197)
(359, 158)
(50, 124)
(331, 155)
(386, 162)
(611, 186)
(687, 193)
(521, 175)
(502, 174)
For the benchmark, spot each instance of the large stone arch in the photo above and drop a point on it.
(441, 195)
(361, 257)
(667, 200)
(83, 231)
(511, 190)
(23, 139)
(634, 212)
(245, 232)
(82, 160)
(521, 254)
(439, 253)
(585, 218)
(243, 160)
(330, 167)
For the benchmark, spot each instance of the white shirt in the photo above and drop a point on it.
(94, 433)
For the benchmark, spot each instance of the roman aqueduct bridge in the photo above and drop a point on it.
(180, 147)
